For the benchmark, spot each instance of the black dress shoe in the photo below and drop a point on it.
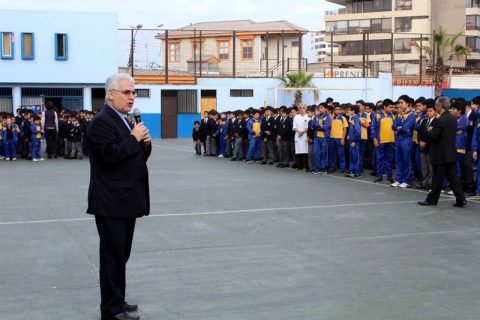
(121, 316)
(426, 203)
(460, 204)
(378, 179)
(390, 179)
(130, 307)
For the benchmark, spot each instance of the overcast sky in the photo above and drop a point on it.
(177, 13)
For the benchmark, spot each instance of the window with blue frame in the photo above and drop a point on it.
(28, 52)
(61, 46)
(7, 45)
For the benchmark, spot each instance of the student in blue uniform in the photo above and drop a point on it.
(383, 140)
(321, 123)
(9, 134)
(403, 126)
(458, 110)
(354, 138)
(415, 158)
(254, 127)
(338, 133)
(476, 151)
(222, 135)
(311, 139)
(37, 136)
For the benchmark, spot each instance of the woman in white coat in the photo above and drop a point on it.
(300, 126)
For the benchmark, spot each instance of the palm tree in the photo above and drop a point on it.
(300, 80)
(446, 48)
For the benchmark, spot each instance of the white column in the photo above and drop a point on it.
(16, 98)
(87, 98)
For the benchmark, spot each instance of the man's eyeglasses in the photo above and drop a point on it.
(127, 92)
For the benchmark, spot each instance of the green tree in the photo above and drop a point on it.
(446, 48)
(300, 79)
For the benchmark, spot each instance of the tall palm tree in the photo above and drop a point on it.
(300, 79)
(446, 48)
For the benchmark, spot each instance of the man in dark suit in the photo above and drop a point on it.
(443, 154)
(119, 191)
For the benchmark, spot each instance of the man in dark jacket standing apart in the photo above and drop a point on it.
(443, 154)
(119, 191)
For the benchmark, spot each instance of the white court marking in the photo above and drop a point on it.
(220, 212)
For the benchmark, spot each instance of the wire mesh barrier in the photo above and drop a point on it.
(184, 55)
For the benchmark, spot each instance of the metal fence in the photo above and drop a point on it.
(173, 56)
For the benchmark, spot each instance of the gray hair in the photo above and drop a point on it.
(112, 81)
(443, 102)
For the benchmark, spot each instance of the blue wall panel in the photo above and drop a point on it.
(468, 94)
(153, 123)
(185, 124)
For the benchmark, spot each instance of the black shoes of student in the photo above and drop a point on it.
(390, 179)
(282, 165)
(426, 203)
(130, 307)
(264, 162)
(460, 204)
(233, 159)
(379, 179)
(121, 316)
(270, 163)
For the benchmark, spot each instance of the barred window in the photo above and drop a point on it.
(241, 93)
(143, 93)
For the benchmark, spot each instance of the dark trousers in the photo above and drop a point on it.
(440, 172)
(468, 175)
(51, 139)
(302, 161)
(116, 236)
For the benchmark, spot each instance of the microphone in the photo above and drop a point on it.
(136, 115)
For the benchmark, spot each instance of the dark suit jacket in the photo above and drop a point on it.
(268, 126)
(443, 139)
(284, 129)
(423, 134)
(118, 169)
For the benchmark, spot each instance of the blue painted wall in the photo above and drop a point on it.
(185, 124)
(92, 47)
(153, 123)
(468, 94)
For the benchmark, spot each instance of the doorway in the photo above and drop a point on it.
(169, 114)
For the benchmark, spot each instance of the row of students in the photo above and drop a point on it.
(23, 135)
(381, 137)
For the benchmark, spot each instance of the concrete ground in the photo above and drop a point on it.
(231, 241)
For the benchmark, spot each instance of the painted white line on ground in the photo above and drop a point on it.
(343, 205)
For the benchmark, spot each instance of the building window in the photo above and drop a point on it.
(27, 46)
(295, 43)
(241, 93)
(403, 24)
(7, 45)
(403, 46)
(174, 52)
(247, 49)
(223, 50)
(61, 46)
(143, 93)
(473, 43)
(473, 22)
(473, 4)
(403, 5)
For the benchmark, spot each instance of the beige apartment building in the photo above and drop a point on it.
(393, 24)
(241, 48)
(473, 32)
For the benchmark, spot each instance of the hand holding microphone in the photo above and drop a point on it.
(140, 132)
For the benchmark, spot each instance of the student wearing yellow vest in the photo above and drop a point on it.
(336, 147)
(384, 140)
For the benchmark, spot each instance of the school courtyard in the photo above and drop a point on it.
(231, 241)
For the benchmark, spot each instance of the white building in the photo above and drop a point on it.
(63, 57)
(321, 47)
